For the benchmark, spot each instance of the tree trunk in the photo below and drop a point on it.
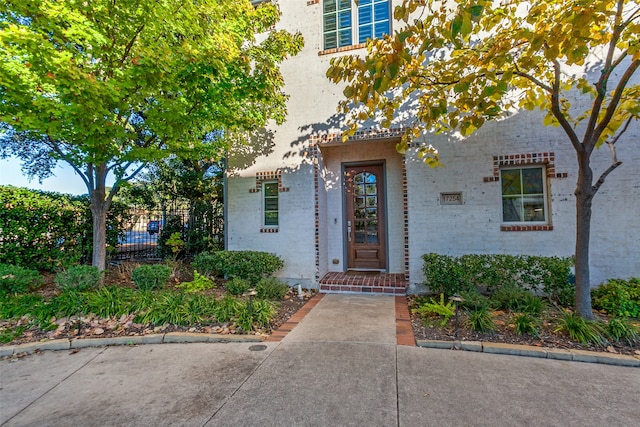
(99, 207)
(584, 199)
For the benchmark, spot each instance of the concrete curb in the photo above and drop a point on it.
(531, 351)
(171, 337)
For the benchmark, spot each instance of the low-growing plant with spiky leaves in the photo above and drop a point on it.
(480, 320)
(581, 330)
(525, 324)
(619, 329)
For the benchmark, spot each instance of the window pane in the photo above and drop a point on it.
(371, 201)
(371, 178)
(366, 32)
(329, 6)
(344, 38)
(271, 218)
(381, 11)
(382, 28)
(510, 182)
(330, 23)
(270, 204)
(360, 236)
(532, 181)
(365, 15)
(372, 237)
(330, 41)
(512, 209)
(359, 213)
(371, 189)
(533, 207)
(271, 189)
(344, 19)
(344, 4)
(359, 202)
(359, 179)
(358, 190)
(372, 213)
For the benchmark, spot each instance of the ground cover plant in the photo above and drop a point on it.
(514, 314)
(137, 300)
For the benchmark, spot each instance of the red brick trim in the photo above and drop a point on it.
(361, 135)
(342, 49)
(312, 2)
(268, 176)
(404, 330)
(293, 321)
(405, 217)
(269, 230)
(544, 158)
(542, 227)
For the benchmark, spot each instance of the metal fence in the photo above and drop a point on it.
(200, 228)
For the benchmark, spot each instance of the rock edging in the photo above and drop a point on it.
(532, 351)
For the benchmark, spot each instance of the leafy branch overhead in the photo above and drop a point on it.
(460, 64)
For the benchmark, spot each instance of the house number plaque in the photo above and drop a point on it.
(451, 198)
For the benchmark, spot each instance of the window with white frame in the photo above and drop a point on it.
(270, 196)
(347, 20)
(524, 195)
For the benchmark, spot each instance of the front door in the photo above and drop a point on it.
(365, 219)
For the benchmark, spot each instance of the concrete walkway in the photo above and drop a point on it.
(340, 365)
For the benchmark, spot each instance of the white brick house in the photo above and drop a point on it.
(328, 208)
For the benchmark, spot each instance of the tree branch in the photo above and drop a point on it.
(129, 46)
(601, 84)
(557, 112)
(55, 147)
(615, 99)
(614, 157)
(604, 175)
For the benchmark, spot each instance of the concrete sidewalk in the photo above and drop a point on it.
(339, 366)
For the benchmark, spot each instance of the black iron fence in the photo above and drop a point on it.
(179, 233)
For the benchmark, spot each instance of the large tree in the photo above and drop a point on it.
(110, 85)
(459, 64)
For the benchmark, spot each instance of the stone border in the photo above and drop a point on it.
(170, 337)
(532, 351)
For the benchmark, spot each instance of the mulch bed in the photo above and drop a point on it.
(504, 333)
(94, 327)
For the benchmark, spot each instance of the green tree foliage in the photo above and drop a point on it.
(463, 63)
(109, 86)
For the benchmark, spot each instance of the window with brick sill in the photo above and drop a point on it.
(524, 196)
(346, 21)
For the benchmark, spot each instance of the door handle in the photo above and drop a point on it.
(349, 232)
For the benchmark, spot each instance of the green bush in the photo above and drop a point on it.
(79, 278)
(271, 288)
(259, 313)
(618, 297)
(248, 265)
(200, 283)
(489, 273)
(149, 277)
(473, 300)
(237, 286)
(46, 230)
(16, 280)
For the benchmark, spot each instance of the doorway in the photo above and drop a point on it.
(365, 219)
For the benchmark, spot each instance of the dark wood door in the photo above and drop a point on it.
(365, 219)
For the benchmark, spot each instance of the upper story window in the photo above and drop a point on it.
(347, 20)
(524, 197)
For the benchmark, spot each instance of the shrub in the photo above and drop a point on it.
(237, 286)
(509, 298)
(200, 283)
(248, 265)
(79, 278)
(17, 280)
(46, 230)
(473, 300)
(149, 277)
(619, 329)
(618, 297)
(480, 320)
(440, 308)
(581, 330)
(525, 324)
(271, 288)
(452, 275)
